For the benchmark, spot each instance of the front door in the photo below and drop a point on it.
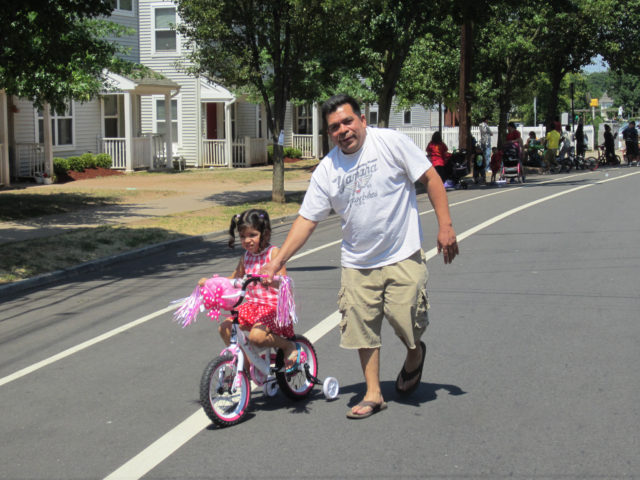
(212, 121)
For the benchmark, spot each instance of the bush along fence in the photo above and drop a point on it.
(78, 164)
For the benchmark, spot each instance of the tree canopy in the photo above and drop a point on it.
(56, 50)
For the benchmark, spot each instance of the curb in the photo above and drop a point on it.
(10, 289)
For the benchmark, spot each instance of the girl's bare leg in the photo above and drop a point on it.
(263, 337)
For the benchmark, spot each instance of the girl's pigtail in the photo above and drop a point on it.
(232, 230)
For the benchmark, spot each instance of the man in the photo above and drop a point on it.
(552, 142)
(630, 136)
(368, 179)
(485, 141)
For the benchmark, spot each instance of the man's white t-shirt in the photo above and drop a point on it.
(373, 192)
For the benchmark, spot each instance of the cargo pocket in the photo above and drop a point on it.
(422, 310)
(342, 308)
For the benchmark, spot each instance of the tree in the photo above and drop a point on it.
(268, 49)
(506, 54)
(377, 46)
(56, 50)
(570, 50)
(618, 28)
(431, 71)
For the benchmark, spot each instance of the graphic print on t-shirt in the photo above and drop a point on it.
(358, 180)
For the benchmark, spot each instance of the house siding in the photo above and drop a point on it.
(131, 42)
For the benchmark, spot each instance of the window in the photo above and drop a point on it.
(303, 119)
(407, 117)
(373, 118)
(61, 126)
(165, 33)
(111, 116)
(122, 5)
(258, 121)
(161, 121)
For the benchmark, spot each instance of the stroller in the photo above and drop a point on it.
(511, 165)
(457, 169)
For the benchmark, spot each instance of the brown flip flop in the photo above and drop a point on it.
(411, 375)
(375, 408)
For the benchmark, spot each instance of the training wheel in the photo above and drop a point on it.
(330, 388)
(270, 388)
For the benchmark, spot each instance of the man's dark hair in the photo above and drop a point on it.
(332, 104)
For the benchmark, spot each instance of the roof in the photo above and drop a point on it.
(211, 91)
(152, 83)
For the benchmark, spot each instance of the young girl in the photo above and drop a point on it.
(258, 313)
(479, 166)
(496, 163)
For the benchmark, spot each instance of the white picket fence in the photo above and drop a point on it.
(422, 136)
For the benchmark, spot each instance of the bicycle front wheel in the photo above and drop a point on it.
(224, 395)
(296, 385)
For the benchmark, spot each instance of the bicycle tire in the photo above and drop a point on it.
(222, 405)
(592, 162)
(296, 385)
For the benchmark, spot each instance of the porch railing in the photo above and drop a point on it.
(304, 143)
(29, 160)
(245, 152)
(147, 151)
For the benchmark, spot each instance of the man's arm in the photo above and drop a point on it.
(299, 233)
(446, 240)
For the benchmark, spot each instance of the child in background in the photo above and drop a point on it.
(258, 313)
(479, 165)
(496, 162)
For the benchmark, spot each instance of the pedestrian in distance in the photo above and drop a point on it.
(630, 136)
(552, 141)
(479, 166)
(580, 140)
(368, 180)
(485, 139)
(438, 155)
(609, 145)
(496, 163)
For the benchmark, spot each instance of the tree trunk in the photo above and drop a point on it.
(384, 107)
(277, 187)
(552, 107)
(466, 46)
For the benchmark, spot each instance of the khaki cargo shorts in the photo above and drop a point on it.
(397, 292)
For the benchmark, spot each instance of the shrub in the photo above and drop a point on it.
(88, 160)
(103, 160)
(60, 166)
(76, 164)
(292, 152)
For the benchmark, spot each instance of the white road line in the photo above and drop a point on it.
(162, 448)
(70, 351)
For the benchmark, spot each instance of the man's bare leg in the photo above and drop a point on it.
(370, 362)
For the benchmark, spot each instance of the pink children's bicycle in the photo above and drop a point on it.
(225, 387)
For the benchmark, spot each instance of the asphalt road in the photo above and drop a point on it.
(532, 367)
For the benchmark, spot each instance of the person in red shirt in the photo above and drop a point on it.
(513, 136)
(438, 154)
(496, 163)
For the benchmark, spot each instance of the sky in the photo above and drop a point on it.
(597, 65)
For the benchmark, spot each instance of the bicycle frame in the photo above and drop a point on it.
(260, 359)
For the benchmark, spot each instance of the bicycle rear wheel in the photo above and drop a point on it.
(296, 385)
(223, 402)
